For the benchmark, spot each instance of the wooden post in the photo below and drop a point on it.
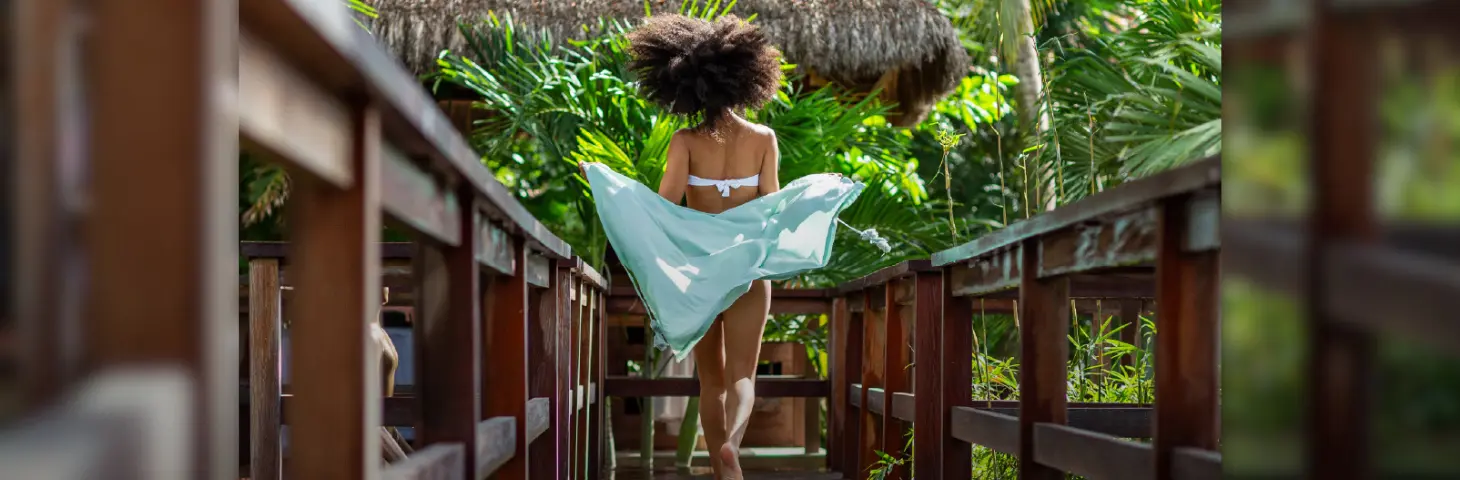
(566, 318)
(505, 372)
(335, 375)
(36, 185)
(542, 355)
(1044, 323)
(955, 370)
(1342, 151)
(852, 447)
(810, 406)
(587, 330)
(1186, 344)
(448, 338)
(836, 410)
(162, 278)
(1130, 317)
(598, 415)
(895, 361)
(579, 462)
(265, 452)
(928, 335)
(873, 373)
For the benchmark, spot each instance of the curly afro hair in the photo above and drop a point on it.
(697, 68)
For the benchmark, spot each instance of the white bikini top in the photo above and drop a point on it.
(724, 186)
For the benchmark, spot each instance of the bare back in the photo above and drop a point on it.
(745, 150)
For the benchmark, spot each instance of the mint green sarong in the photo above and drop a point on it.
(688, 266)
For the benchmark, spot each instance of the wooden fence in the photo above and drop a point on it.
(131, 317)
(1357, 277)
(902, 342)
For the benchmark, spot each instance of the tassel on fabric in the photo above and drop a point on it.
(870, 236)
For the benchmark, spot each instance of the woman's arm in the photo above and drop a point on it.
(676, 171)
(770, 167)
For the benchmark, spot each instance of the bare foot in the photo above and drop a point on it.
(730, 464)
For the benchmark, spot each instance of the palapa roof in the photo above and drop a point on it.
(851, 42)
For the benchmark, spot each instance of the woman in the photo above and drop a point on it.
(702, 271)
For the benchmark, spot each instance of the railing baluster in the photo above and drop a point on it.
(836, 411)
(543, 376)
(264, 296)
(447, 336)
(505, 371)
(1186, 345)
(1044, 321)
(598, 415)
(895, 358)
(873, 342)
(334, 377)
(928, 335)
(956, 377)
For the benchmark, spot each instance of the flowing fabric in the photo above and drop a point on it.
(688, 266)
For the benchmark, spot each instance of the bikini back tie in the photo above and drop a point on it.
(724, 186)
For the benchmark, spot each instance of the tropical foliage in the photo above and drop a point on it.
(550, 104)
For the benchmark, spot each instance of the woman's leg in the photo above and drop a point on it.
(744, 326)
(710, 363)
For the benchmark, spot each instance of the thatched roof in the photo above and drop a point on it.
(851, 42)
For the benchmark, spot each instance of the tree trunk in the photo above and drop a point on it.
(1029, 96)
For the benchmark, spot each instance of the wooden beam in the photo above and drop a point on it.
(412, 197)
(495, 247)
(598, 415)
(1090, 454)
(441, 461)
(1044, 314)
(497, 444)
(1194, 176)
(283, 114)
(996, 431)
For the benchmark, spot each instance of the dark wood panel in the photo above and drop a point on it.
(1124, 239)
(955, 371)
(996, 431)
(765, 386)
(927, 336)
(1114, 419)
(1092, 455)
(1195, 176)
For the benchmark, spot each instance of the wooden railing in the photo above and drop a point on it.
(562, 368)
(508, 322)
(902, 344)
(1357, 277)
